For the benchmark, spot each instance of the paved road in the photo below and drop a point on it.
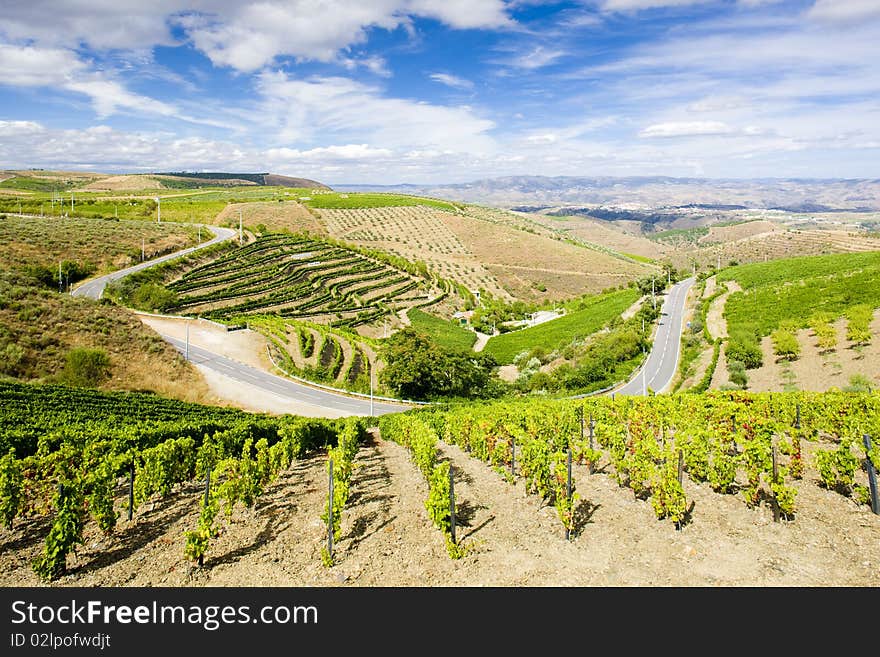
(280, 385)
(94, 288)
(662, 362)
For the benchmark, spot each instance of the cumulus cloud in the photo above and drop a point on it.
(16, 128)
(245, 36)
(341, 109)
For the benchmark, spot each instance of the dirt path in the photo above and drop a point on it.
(482, 340)
(715, 321)
(512, 537)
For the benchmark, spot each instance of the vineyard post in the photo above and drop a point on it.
(872, 475)
(513, 457)
(797, 418)
(130, 489)
(680, 467)
(591, 442)
(330, 511)
(775, 480)
(207, 499)
(568, 495)
(451, 506)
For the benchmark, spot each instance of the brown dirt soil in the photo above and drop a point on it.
(289, 215)
(817, 371)
(749, 229)
(511, 538)
(564, 269)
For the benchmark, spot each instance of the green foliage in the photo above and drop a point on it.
(417, 368)
(101, 483)
(67, 528)
(668, 498)
(197, 541)
(557, 333)
(837, 468)
(373, 200)
(743, 346)
(11, 483)
(785, 344)
(796, 288)
(85, 367)
(447, 334)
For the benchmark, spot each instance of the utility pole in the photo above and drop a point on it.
(143, 246)
(186, 353)
(200, 234)
(60, 282)
(370, 370)
(71, 204)
(158, 210)
(653, 298)
(239, 228)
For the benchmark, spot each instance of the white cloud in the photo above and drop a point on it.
(345, 152)
(15, 128)
(686, 129)
(340, 109)
(245, 36)
(636, 5)
(452, 81)
(844, 11)
(28, 66)
(536, 58)
(463, 14)
(37, 67)
(108, 96)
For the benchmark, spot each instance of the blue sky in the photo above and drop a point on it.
(427, 91)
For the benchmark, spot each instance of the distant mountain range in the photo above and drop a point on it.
(541, 192)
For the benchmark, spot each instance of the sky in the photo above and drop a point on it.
(443, 91)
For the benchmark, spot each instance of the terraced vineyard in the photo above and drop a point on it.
(296, 276)
(416, 233)
(335, 357)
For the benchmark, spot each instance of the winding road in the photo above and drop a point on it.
(659, 369)
(656, 374)
(337, 403)
(94, 288)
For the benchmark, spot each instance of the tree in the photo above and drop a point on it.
(418, 368)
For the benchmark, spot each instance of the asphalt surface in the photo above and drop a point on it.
(659, 369)
(280, 385)
(94, 288)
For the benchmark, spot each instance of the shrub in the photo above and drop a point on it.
(85, 367)
(785, 344)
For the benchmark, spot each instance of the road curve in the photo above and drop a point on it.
(280, 385)
(94, 288)
(659, 369)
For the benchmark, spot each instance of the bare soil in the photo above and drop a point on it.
(512, 538)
